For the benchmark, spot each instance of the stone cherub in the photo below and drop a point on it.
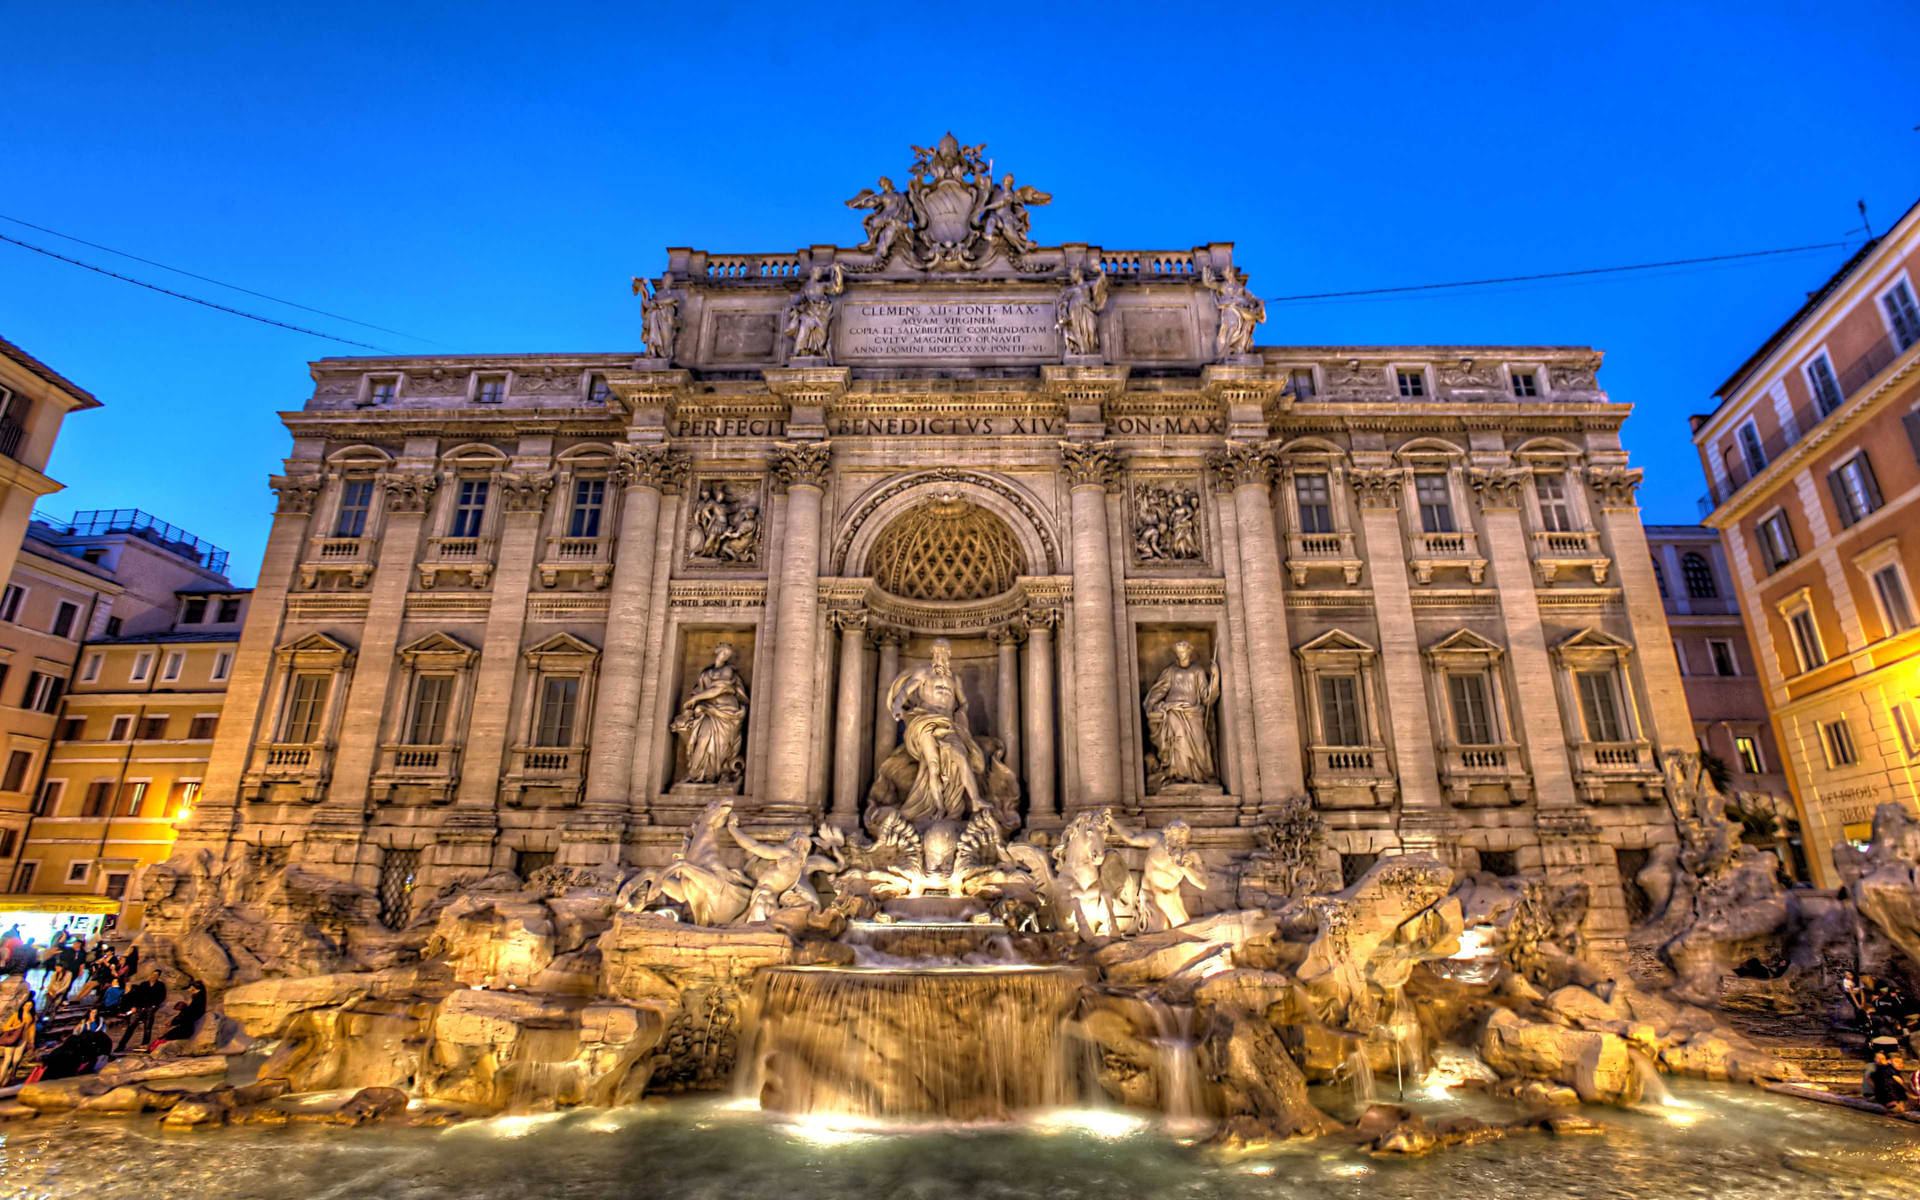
(1077, 311)
(810, 315)
(1004, 215)
(1179, 709)
(1171, 861)
(1240, 311)
(659, 315)
(889, 217)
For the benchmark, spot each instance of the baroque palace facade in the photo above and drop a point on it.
(519, 610)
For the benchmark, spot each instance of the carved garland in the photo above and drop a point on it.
(907, 483)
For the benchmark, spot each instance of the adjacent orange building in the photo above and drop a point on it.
(1813, 459)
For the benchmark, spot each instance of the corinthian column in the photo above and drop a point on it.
(645, 471)
(848, 731)
(886, 730)
(1006, 716)
(800, 472)
(1037, 706)
(1377, 493)
(1248, 469)
(1093, 471)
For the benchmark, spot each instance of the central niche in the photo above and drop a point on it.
(947, 549)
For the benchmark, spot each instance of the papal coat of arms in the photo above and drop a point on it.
(952, 214)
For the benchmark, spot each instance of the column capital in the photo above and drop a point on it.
(800, 464)
(1011, 634)
(847, 620)
(297, 494)
(1043, 619)
(653, 465)
(886, 635)
(1243, 464)
(1615, 487)
(1091, 464)
(1378, 487)
(409, 491)
(1499, 487)
(524, 491)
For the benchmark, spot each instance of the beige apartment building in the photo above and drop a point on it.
(1813, 459)
(34, 400)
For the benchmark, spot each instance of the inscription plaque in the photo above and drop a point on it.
(873, 331)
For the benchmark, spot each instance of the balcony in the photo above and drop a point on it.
(12, 436)
(590, 557)
(549, 775)
(1310, 552)
(349, 556)
(434, 770)
(471, 557)
(1349, 776)
(1484, 776)
(1614, 772)
(303, 766)
(1431, 552)
(1569, 551)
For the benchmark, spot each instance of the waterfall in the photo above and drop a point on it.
(954, 1043)
(1360, 1077)
(1177, 1065)
(1653, 1089)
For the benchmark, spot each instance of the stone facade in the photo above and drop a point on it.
(1411, 581)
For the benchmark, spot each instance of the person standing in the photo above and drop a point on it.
(16, 1038)
(143, 1005)
(187, 1017)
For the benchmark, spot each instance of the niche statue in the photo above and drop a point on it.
(709, 724)
(1180, 721)
(933, 705)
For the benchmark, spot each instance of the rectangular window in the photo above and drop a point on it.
(1806, 640)
(180, 797)
(1472, 712)
(194, 611)
(381, 389)
(1750, 449)
(1556, 510)
(171, 671)
(1340, 711)
(1300, 380)
(23, 880)
(51, 793)
(356, 502)
(589, 500)
(64, 617)
(9, 838)
(598, 392)
(153, 729)
(1904, 719)
(91, 671)
(10, 602)
(121, 727)
(1748, 751)
(116, 885)
(202, 727)
(1600, 705)
(77, 870)
(1823, 385)
(73, 729)
(142, 666)
(113, 626)
(1855, 491)
(432, 697)
(1775, 536)
(469, 508)
(133, 794)
(1720, 650)
(99, 795)
(1837, 738)
(1412, 383)
(559, 698)
(1902, 315)
(229, 610)
(1436, 502)
(222, 665)
(42, 692)
(306, 708)
(490, 389)
(15, 779)
(1315, 497)
(1526, 383)
(1895, 604)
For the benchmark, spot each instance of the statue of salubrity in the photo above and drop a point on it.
(711, 722)
(1179, 710)
(1077, 311)
(1241, 312)
(659, 313)
(810, 313)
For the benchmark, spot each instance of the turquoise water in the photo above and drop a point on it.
(1720, 1142)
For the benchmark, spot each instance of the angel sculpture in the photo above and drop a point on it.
(1005, 214)
(889, 215)
(810, 316)
(658, 312)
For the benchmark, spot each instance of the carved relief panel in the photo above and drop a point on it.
(1167, 522)
(726, 516)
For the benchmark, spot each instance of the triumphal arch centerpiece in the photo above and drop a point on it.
(948, 538)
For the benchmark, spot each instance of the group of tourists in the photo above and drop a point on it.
(1882, 1008)
(108, 987)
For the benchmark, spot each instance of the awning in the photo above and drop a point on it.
(59, 904)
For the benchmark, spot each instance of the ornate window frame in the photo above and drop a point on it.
(1571, 550)
(576, 560)
(1310, 552)
(1598, 764)
(304, 765)
(1881, 556)
(1345, 776)
(328, 554)
(472, 555)
(558, 772)
(1464, 766)
(1430, 553)
(1799, 602)
(435, 767)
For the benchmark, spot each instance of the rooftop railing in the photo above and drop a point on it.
(95, 522)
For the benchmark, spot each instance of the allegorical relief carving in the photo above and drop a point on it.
(711, 722)
(1077, 312)
(659, 318)
(1241, 312)
(952, 214)
(1179, 708)
(723, 526)
(1166, 522)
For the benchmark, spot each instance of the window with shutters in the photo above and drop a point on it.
(1314, 494)
(1903, 316)
(1823, 384)
(18, 763)
(153, 729)
(1807, 647)
(1775, 537)
(1747, 749)
(1698, 573)
(43, 692)
(1556, 510)
(133, 796)
(432, 699)
(1855, 491)
(589, 502)
(180, 797)
(99, 795)
(1836, 737)
(1340, 723)
(356, 503)
(202, 727)
(1896, 602)
(559, 701)
(1750, 449)
(1469, 697)
(469, 508)
(1431, 490)
(306, 707)
(64, 617)
(1600, 706)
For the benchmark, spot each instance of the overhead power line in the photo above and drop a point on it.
(218, 282)
(1678, 262)
(154, 287)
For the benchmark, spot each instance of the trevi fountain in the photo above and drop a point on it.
(1299, 865)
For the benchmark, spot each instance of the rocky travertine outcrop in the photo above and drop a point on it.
(1884, 879)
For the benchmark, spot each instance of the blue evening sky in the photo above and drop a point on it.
(488, 176)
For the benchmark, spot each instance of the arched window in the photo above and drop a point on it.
(1660, 578)
(1699, 576)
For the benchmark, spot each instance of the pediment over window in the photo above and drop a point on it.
(315, 651)
(1464, 646)
(1592, 645)
(561, 651)
(437, 649)
(1336, 648)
